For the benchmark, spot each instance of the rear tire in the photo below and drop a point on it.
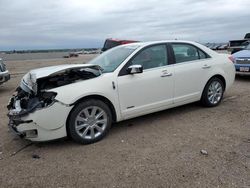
(213, 92)
(89, 121)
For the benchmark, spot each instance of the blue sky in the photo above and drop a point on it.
(36, 24)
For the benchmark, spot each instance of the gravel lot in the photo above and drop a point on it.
(156, 150)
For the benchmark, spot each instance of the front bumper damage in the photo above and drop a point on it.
(34, 111)
(37, 123)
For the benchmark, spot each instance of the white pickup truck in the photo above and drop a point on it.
(4, 73)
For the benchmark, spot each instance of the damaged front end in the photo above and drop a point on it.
(34, 112)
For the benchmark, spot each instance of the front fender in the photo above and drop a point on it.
(101, 86)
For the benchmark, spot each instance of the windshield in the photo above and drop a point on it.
(247, 47)
(112, 58)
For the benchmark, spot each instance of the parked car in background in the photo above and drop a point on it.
(212, 46)
(73, 54)
(223, 47)
(4, 73)
(209, 45)
(81, 101)
(237, 45)
(242, 61)
(96, 51)
(111, 43)
(215, 46)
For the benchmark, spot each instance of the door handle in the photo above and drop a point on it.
(206, 66)
(166, 74)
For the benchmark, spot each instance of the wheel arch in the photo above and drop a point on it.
(101, 98)
(219, 76)
(85, 98)
(203, 98)
(98, 97)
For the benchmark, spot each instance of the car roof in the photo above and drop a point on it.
(145, 44)
(141, 44)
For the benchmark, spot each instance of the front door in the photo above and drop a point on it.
(151, 90)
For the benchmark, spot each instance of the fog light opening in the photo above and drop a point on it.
(31, 133)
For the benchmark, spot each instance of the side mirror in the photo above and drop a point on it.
(135, 69)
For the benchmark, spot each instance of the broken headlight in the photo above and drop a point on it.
(28, 83)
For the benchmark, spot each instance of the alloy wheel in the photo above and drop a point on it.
(91, 122)
(215, 92)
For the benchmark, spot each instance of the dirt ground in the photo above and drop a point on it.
(156, 150)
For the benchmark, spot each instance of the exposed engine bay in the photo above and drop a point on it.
(65, 78)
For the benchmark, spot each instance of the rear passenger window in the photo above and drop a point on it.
(186, 52)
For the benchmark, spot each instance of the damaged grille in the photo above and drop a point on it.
(22, 102)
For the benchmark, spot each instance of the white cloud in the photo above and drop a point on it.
(81, 23)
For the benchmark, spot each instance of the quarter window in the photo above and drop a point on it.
(151, 57)
(186, 52)
(202, 54)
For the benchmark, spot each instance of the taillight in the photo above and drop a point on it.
(231, 58)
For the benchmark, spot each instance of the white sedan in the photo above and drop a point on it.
(82, 101)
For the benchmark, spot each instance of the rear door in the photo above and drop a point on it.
(192, 66)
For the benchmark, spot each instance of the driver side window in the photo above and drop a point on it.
(151, 57)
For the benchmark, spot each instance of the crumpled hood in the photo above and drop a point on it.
(48, 71)
(29, 81)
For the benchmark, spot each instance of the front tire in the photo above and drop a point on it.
(89, 121)
(213, 92)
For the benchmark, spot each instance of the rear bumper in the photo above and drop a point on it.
(239, 66)
(4, 76)
(243, 73)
